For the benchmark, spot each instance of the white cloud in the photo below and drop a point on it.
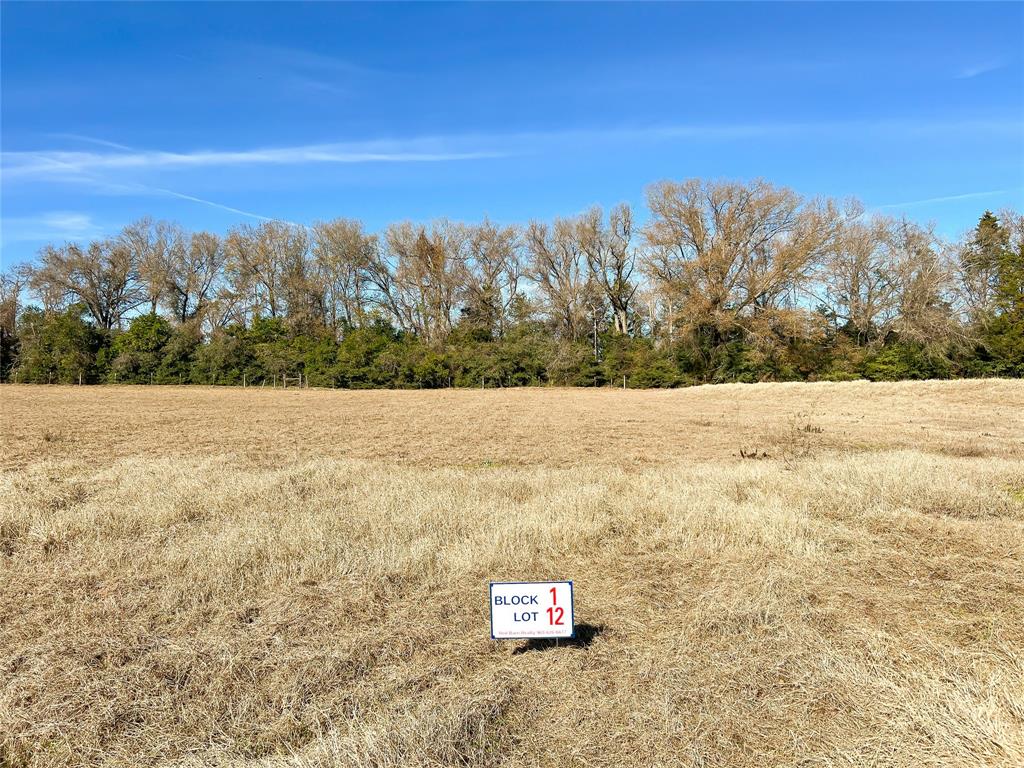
(62, 163)
(979, 69)
(53, 225)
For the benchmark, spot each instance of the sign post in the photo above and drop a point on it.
(527, 610)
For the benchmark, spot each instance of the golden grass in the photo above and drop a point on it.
(517, 427)
(177, 588)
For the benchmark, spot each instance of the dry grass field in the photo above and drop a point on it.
(225, 577)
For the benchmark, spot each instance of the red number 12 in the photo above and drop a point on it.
(552, 613)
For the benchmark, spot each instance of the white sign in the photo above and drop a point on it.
(531, 609)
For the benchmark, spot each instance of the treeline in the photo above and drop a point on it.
(724, 282)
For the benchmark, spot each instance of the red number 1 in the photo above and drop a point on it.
(552, 612)
(553, 596)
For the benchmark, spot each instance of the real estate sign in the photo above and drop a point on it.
(531, 610)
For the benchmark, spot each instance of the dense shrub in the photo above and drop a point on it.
(906, 360)
(60, 348)
(64, 347)
(139, 351)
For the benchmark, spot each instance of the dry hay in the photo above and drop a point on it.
(852, 600)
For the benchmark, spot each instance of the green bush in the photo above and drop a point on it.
(366, 357)
(906, 360)
(59, 348)
(139, 351)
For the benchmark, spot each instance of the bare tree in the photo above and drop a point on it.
(343, 253)
(556, 266)
(859, 277)
(733, 256)
(11, 283)
(104, 277)
(664, 272)
(303, 292)
(154, 247)
(611, 258)
(192, 275)
(227, 308)
(265, 264)
(924, 276)
(418, 280)
(493, 275)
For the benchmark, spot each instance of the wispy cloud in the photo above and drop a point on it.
(947, 198)
(888, 127)
(73, 226)
(297, 70)
(77, 137)
(144, 190)
(279, 56)
(53, 225)
(979, 69)
(57, 163)
(212, 204)
(314, 85)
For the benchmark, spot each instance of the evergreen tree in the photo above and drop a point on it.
(1004, 335)
(59, 348)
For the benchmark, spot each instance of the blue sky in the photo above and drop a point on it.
(213, 114)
